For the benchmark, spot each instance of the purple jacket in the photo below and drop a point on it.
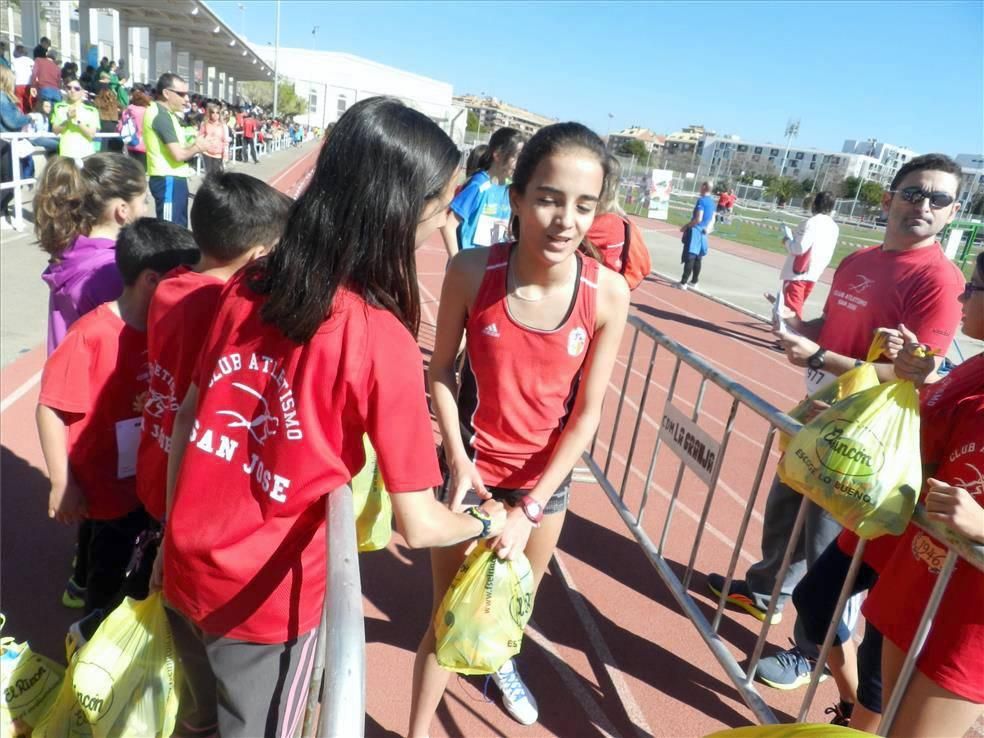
(85, 278)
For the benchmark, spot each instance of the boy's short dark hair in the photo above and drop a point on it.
(153, 244)
(234, 212)
(934, 162)
(823, 203)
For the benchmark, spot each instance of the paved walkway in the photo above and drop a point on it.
(740, 274)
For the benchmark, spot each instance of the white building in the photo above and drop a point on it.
(332, 82)
(972, 179)
(889, 157)
(494, 114)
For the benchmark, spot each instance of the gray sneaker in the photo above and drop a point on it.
(788, 669)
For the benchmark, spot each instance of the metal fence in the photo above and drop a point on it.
(658, 366)
(338, 681)
(19, 184)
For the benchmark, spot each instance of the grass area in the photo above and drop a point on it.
(744, 232)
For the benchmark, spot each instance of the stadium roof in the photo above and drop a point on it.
(197, 29)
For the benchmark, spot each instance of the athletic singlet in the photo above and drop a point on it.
(518, 383)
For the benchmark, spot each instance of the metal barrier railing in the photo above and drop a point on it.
(338, 681)
(705, 456)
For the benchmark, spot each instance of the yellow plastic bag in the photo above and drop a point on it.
(859, 460)
(794, 730)
(64, 718)
(479, 625)
(373, 508)
(124, 678)
(29, 682)
(850, 382)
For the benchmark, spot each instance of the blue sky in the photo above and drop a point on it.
(909, 73)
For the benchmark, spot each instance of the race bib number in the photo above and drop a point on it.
(127, 441)
(490, 230)
(817, 379)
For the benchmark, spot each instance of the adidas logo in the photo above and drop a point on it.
(490, 330)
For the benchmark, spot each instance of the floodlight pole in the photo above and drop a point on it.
(276, 63)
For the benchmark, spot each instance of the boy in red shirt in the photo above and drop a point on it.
(88, 413)
(235, 219)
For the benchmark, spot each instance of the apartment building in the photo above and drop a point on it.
(686, 141)
(972, 179)
(653, 142)
(494, 113)
(889, 157)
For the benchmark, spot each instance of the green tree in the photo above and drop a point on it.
(976, 206)
(808, 184)
(871, 194)
(783, 189)
(472, 125)
(288, 102)
(634, 148)
(849, 187)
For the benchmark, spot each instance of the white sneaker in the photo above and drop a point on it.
(516, 697)
(681, 286)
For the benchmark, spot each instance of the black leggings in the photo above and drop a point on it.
(691, 266)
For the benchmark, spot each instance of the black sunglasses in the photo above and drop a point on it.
(916, 195)
(178, 92)
(970, 288)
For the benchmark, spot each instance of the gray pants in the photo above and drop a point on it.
(237, 689)
(819, 531)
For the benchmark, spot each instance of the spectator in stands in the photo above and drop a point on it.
(216, 135)
(92, 387)
(23, 68)
(167, 152)
(249, 138)
(109, 119)
(534, 302)
(69, 69)
(11, 121)
(42, 48)
(480, 213)
(695, 237)
(135, 111)
(46, 78)
(41, 123)
(76, 123)
(89, 78)
(336, 325)
(810, 250)
(908, 280)
(4, 61)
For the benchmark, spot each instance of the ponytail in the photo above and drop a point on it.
(505, 142)
(70, 200)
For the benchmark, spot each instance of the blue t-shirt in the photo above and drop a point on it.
(708, 205)
(483, 208)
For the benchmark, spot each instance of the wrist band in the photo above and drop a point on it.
(482, 517)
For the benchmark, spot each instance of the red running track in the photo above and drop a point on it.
(607, 652)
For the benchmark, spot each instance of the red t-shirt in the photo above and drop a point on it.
(183, 299)
(873, 288)
(953, 656)
(939, 404)
(278, 426)
(249, 127)
(519, 383)
(607, 234)
(97, 377)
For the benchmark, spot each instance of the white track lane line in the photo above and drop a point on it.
(19, 392)
(604, 654)
(582, 695)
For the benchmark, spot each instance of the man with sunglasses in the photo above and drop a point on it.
(76, 122)
(167, 153)
(905, 280)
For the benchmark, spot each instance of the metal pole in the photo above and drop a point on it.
(276, 62)
(324, 105)
(858, 193)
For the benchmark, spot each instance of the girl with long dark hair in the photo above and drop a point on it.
(544, 321)
(311, 348)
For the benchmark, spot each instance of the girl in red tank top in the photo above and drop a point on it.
(544, 325)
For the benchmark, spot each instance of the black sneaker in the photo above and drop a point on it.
(740, 596)
(841, 713)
